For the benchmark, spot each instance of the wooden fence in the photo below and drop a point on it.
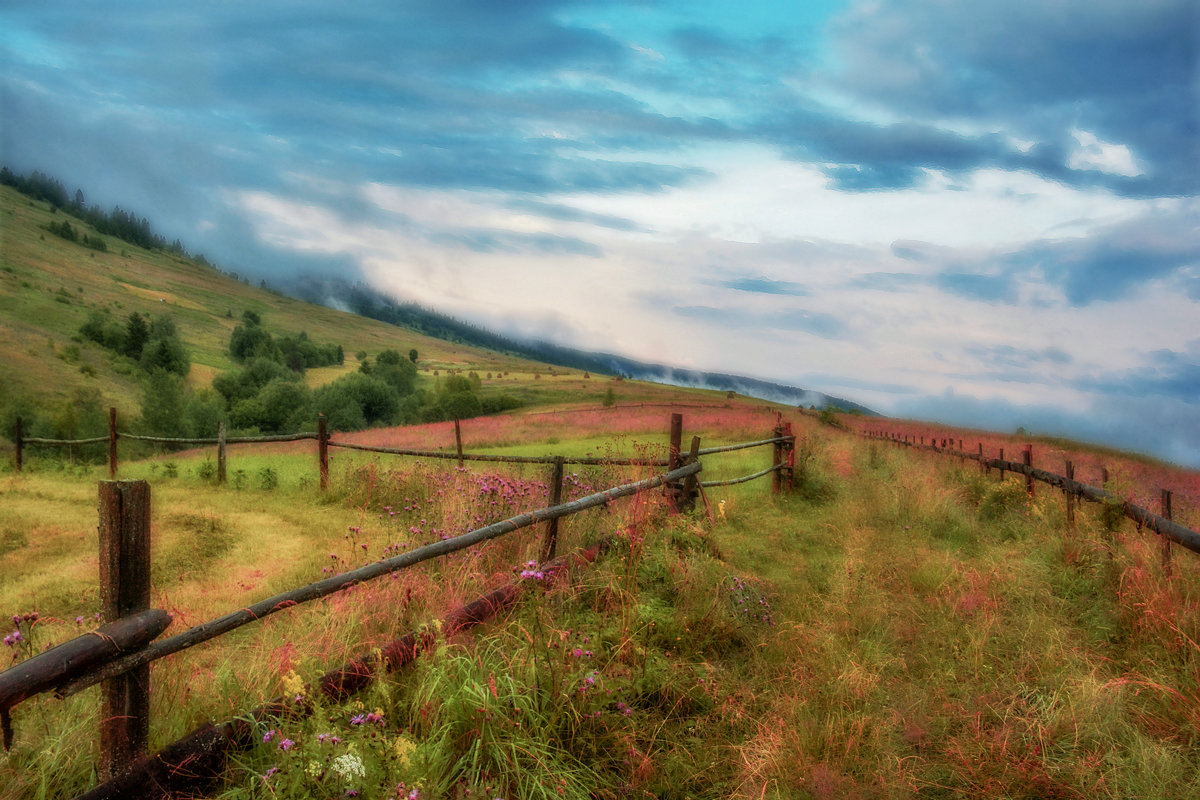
(1163, 524)
(118, 655)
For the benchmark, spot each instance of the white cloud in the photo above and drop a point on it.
(1093, 154)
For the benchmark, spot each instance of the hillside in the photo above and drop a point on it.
(49, 286)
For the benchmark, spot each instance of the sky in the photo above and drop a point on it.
(985, 213)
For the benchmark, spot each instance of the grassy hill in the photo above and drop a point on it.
(49, 286)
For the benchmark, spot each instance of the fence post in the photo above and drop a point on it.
(458, 442)
(1027, 458)
(691, 484)
(19, 443)
(124, 590)
(675, 445)
(323, 451)
(1070, 493)
(1166, 543)
(983, 467)
(789, 447)
(112, 443)
(1001, 468)
(550, 546)
(222, 433)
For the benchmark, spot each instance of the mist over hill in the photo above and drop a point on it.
(362, 299)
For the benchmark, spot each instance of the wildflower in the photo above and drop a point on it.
(267, 736)
(357, 719)
(348, 767)
(286, 744)
(270, 772)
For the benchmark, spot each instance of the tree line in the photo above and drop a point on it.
(123, 225)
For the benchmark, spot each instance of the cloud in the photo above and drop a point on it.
(765, 286)
(1041, 71)
(825, 326)
(1009, 356)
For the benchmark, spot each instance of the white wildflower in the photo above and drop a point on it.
(349, 767)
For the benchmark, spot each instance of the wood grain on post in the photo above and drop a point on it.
(221, 435)
(323, 451)
(691, 485)
(1070, 495)
(112, 443)
(124, 591)
(550, 547)
(1166, 543)
(674, 458)
(458, 442)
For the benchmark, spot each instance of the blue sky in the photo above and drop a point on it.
(986, 213)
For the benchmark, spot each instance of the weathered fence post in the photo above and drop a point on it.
(1001, 468)
(983, 467)
(124, 590)
(112, 443)
(691, 484)
(19, 443)
(550, 546)
(675, 445)
(1027, 458)
(222, 433)
(1070, 494)
(1166, 543)
(323, 451)
(458, 442)
(789, 448)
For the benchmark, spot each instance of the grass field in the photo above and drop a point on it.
(897, 627)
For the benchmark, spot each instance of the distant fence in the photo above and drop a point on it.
(782, 464)
(1162, 524)
(119, 654)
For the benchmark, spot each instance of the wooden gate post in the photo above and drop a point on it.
(221, 435)
(550, 546)
(112, 443)
(19, 443)
(1070, 493)
(1166, 543)
(323, 451)
(124, 590)
(1027, 457)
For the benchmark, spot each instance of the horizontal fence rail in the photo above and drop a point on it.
(313, 591)
(502, 459)
(744, 479)
(118, 655)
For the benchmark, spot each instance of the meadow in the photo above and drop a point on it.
(898, 626)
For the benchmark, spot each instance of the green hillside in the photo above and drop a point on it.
(49, 287)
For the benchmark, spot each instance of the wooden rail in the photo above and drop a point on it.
(118, 655)
(1163, 524)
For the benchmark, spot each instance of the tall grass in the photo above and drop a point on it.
(897, 627)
